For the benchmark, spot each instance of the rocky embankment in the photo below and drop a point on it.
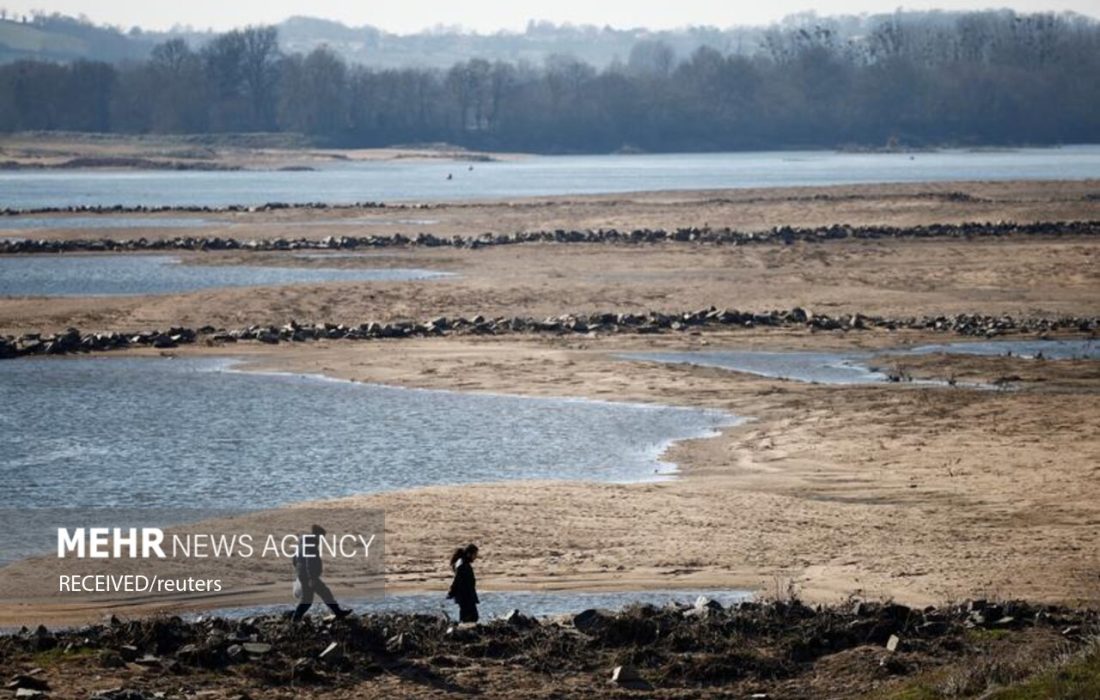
(714, 236)
(74, 341)
(784, 649)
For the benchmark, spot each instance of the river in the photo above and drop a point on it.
(427, 180)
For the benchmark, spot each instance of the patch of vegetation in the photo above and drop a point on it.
(59, 655)
(979, 634)
(1077, 679)
(1014, 676)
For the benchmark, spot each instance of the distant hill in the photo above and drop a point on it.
(441, 49)
(61, 38)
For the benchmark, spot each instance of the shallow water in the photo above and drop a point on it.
(821, 367)
(164, 433)
(1083, 349)
(124, 274)
(24, 223)
(498, 604)
(855, 367)
(416, 181)
(108, 221)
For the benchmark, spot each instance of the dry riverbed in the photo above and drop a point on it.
(1024, 276)
(923, 494)
(919, 493)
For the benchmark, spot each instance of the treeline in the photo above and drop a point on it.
(980, 78)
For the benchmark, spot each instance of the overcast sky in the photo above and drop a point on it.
(405, 16)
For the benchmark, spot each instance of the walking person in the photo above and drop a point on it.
(308, 568)
(464, 586)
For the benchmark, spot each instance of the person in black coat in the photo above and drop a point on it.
(464, 586)
(308, 569)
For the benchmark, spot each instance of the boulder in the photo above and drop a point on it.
(332, 653)
(518, 619)
(256, 648)
(933, 628)
(108, 658)
(708, 603)
(398, 644)
(591, 619)
(119, 694)
(23, 680)
(462, 632)
(148, 660)
(628, 677)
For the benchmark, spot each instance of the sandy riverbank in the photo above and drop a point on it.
(210, 152)
(923, 494)
(920, 494)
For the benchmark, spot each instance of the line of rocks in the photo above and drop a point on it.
(74, 341)
(674, 646)
(715, 236)
(952, 196)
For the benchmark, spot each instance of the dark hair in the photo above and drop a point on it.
(463, 553)
(317, 529)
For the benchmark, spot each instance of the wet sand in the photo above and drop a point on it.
(922, 494)
(1020, 276)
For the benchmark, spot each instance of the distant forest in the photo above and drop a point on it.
(912, 79)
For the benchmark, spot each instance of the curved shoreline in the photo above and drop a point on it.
(731, 517)
(244, 365)
(702, 462)
(924, 495)
(251, 595)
